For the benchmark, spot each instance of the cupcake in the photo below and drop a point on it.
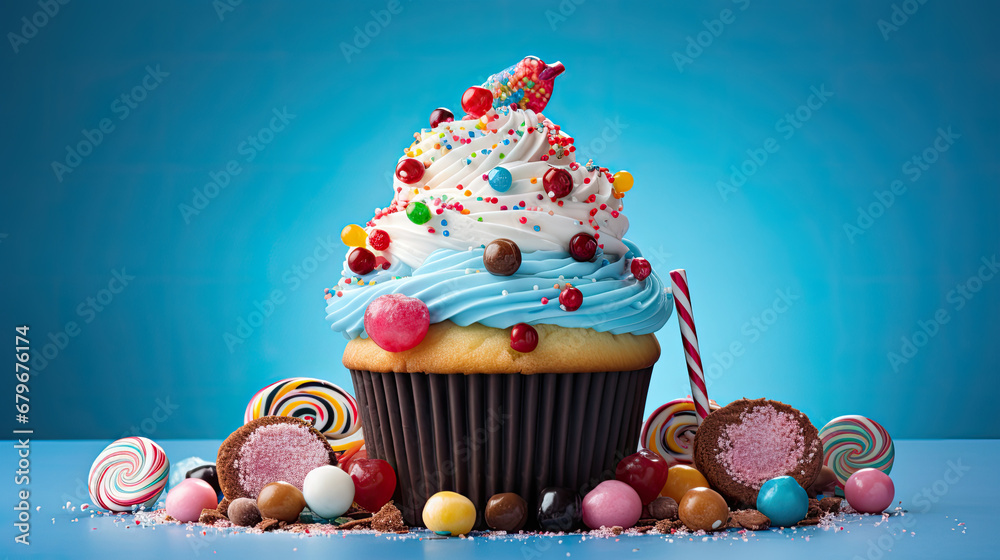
(500, 326)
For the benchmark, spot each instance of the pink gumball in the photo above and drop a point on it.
(186, 500)
(396, 322)
(869, 491)
(612, 503)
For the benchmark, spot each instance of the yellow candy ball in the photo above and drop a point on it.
(680, 479)
(354, 236)
(623, 181)
(448, 513)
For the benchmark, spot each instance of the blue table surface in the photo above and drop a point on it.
(947, 487)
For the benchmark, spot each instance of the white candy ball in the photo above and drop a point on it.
(329, 491)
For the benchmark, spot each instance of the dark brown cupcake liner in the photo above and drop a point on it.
(483, 434)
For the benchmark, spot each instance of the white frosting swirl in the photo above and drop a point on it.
(460, 154)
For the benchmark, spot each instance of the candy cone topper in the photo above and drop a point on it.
(526, 85)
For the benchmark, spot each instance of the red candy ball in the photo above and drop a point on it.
(557, 182)
(361, 261)
(374, 483)
(409, 171)
(396, 322)
(378, 239)
(477, 101)
(347, 462)
(583, 247)
(641, 268)
(441, 115)
(645, 471)
(523, 338)
(571, 298)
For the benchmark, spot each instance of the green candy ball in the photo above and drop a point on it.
(418, 213)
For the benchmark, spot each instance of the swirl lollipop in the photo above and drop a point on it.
(333, 411)
(130, 473)
(852, 443)
(670, 430)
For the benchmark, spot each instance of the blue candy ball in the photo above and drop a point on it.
(783, 501)
(500, 179)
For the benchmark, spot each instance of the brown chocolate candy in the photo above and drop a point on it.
(243, 512)
(281, 501)
(506, 512)
(825, 483)
(502, 257)
(663, 508)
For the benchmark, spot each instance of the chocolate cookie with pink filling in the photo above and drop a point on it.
(270, 449)
(741, 446)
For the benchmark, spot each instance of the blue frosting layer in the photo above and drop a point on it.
(456, 286)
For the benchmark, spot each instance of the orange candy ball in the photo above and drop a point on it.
(703, 509)
(680, 479)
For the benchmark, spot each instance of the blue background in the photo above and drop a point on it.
(156, 356)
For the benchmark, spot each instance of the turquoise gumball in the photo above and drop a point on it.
(500, 179)
(783, 501)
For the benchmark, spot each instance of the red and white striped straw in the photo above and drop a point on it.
(689, 336)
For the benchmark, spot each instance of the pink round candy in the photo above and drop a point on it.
(869, 491)
(612, 503)
(396, 322)
(186, 500)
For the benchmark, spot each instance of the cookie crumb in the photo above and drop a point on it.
(211, 516)
(268, 524)
(751, 519)
(830, 504)
(388, 520)
(814, 509)
(667, 526)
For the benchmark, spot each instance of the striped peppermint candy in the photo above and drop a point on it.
(689, 336)
(129, 474)
(852, 443)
